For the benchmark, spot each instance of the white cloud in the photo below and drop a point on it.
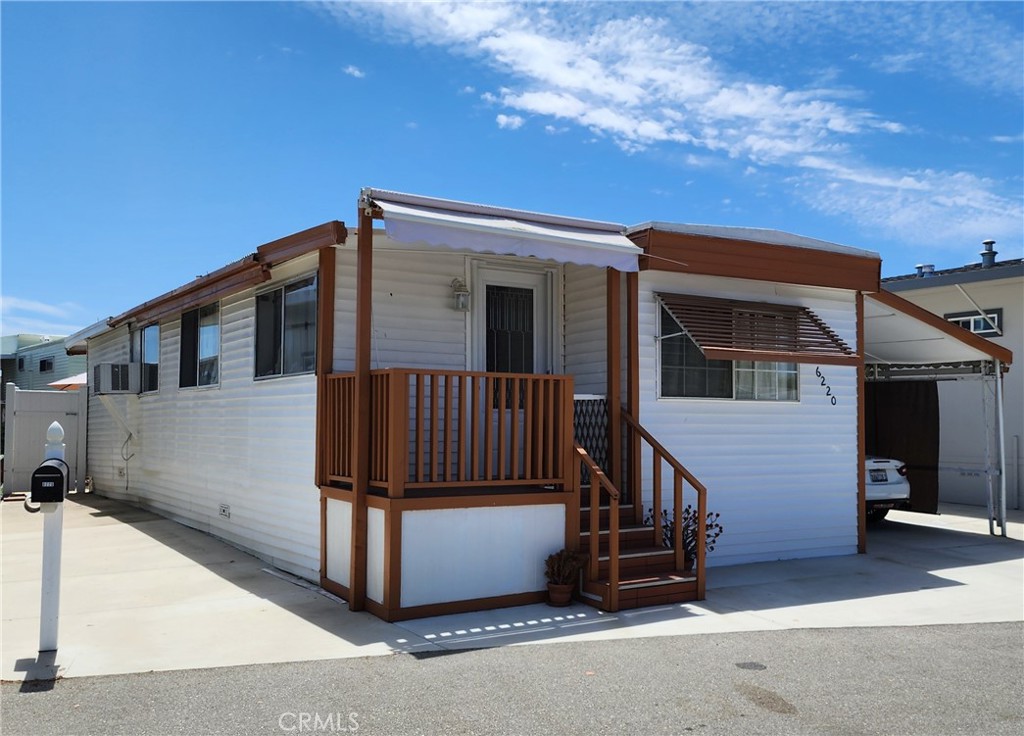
(18, 315)
(641, 82)
(1019, 138)
(939, 209)
(509, 122)
(354, 71)
(898, 63)
(467, 90)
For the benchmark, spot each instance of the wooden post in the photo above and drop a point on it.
(614, 337)
(324, 352)
(360, 438)
(398, 437)
(862, 531)
(633, 387)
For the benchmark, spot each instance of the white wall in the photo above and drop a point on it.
(497, 551)
(414, 325)
(783, 475)
(245, 443)
(961, 421)
(586, 338)
(339, 547)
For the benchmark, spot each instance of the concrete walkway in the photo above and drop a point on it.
(143, 593)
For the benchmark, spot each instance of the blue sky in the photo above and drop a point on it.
(146, 143)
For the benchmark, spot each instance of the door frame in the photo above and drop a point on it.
(484, 272)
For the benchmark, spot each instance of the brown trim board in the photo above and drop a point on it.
(249, 271)
(744, 259)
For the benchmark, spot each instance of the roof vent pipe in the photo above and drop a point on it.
(925, 270)
(988, 256)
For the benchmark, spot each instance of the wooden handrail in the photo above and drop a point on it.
(659, 448)
(598, 482)
(659, 454)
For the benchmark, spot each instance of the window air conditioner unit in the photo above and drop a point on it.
(116, 378)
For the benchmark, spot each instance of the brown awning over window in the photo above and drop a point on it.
(730, 329)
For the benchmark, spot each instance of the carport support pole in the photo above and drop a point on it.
(53, 525)
(1001, 439)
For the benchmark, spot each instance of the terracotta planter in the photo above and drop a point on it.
(560, 595)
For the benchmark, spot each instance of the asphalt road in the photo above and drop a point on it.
(928, 680)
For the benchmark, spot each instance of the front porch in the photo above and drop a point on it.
(475, 477)
(445, 490)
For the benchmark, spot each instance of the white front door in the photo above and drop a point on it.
(513, 326)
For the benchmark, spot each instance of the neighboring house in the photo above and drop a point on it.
(417, 417)
(987, 299)
(34, 361)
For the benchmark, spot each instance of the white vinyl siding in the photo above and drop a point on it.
(414, 323)
(782, 474)
(249, 444)
(586, 338)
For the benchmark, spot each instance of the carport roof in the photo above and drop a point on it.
(898, 332)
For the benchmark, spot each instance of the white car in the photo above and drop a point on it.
(886, 485)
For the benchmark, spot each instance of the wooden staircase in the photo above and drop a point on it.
(647, 574)
(628, 564)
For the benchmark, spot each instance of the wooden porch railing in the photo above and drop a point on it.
(450, 429)
(679, 474)
(599, 483)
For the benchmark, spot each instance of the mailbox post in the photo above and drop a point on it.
(49, 486)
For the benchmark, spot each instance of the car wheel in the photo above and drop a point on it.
(876, 515)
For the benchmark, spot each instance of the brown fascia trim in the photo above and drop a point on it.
(745, 259)
(249, 271)
(996, 352)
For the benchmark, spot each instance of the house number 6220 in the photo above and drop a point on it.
(824, 382)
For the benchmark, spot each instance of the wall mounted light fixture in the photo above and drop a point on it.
(460, 295)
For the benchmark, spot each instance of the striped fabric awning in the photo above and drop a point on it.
(731, 329)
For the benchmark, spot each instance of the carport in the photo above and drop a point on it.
(907, 350)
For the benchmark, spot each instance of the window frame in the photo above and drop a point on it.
(735, 367)
(42, 360)
(280, 339)
(192, 320)
(996, 315)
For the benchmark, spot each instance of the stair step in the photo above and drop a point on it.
(640, 561)
(630, 537)
(643, 590)
(627, 516)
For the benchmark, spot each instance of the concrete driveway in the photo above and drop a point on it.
(144, 593)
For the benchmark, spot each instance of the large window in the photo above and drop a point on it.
(200, 347)
(991, 325)
(149, 343)
(686, 373)
(286, 329)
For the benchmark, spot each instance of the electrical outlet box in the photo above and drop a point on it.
(120, 471)
(225, 511)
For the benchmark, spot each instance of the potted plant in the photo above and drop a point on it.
(562, 569)
(712, 531)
